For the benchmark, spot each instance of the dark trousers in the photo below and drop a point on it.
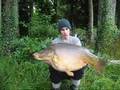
(57, 76)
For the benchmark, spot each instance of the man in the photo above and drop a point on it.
(56, 77)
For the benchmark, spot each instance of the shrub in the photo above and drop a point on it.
(24, 47)
(102, 84)
(113, 72)
(41, 27)
(117, 85)
(23, 76)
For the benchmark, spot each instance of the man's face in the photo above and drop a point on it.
(65, 32)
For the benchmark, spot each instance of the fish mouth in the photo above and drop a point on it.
(38, 56)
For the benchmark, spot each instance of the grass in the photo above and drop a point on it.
(35, 76)
(22, 76)
(21, 72)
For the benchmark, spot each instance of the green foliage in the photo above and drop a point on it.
(113, 72)
(9, 25)
(44, 6)
(102, 84)
(23, 76)
(21, 72)
(108, 33)
(115, 48)
(117, 85)
(24, 47)
(107, 80)
(107, 29)
(88, 79)
(34, 75)
(0, 45)
(41, 27)
(81, 35)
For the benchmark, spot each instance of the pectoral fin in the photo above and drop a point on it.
(55, 59)
(70, 73)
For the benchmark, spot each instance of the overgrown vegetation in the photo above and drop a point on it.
(20, 71)
(35, 76)
(42, 27)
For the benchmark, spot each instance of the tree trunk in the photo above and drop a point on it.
(56, 6)
(0, 18)
(71, 14)
(118, 14)
(106, 25)
(0, 26)
(10, 24)
(90, 24)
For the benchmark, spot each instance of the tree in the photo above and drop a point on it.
(0, 24)
(90, 24)
(25, 13)
(106, 25)
(0, 17)
(10, 25)
(118, 14)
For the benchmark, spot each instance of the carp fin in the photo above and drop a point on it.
(55, 59)
(70, 73)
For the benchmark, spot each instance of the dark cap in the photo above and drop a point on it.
(64, 23)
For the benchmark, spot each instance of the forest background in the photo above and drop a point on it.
(28, 26)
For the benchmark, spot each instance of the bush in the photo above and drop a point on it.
(113, 72)
(41, 27)
(35, 76)
(23, 76)
(117, 85)
(24, 47)
(107, 80)
(102, 84)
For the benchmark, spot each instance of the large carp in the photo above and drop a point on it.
(67, 58)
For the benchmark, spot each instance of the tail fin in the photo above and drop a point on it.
(100, 66)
